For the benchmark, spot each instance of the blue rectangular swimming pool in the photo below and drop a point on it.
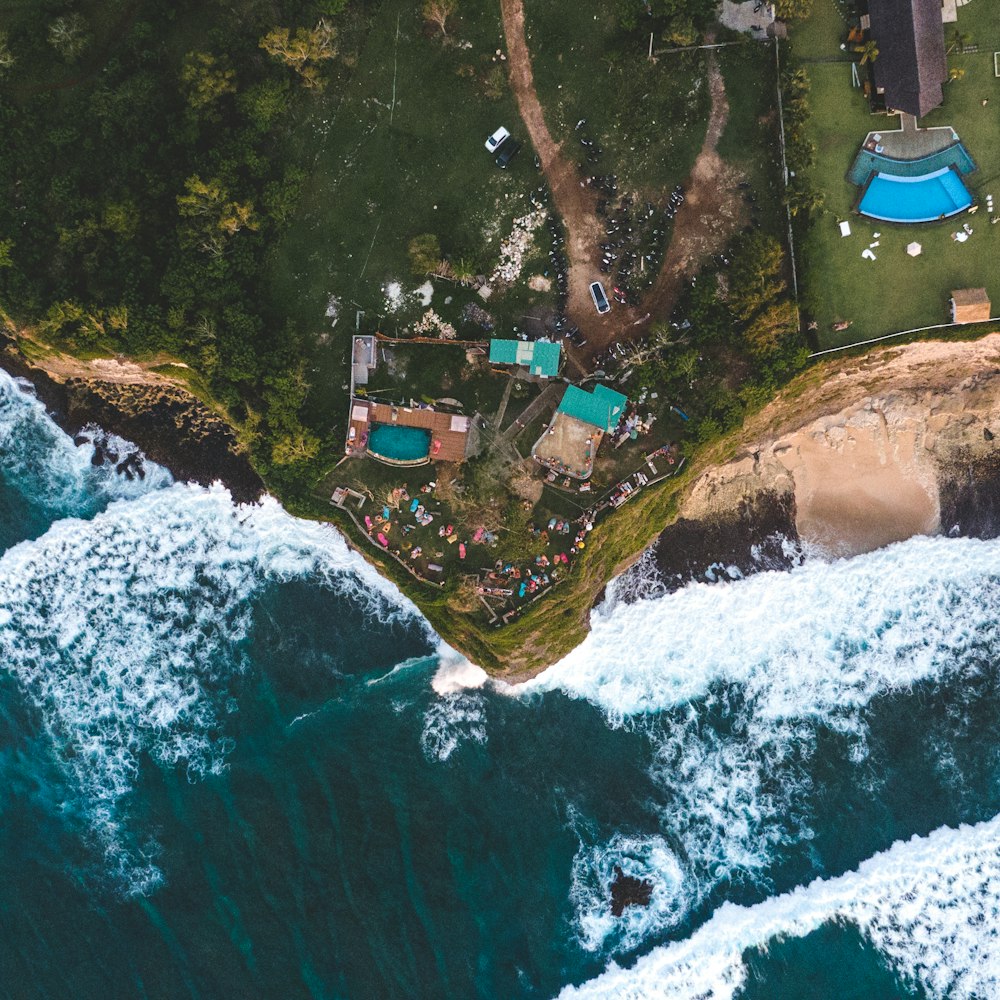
(915, 199)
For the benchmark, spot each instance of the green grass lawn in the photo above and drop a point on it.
(399, 152)
(897, 292)
(650, 118)
(820, 35)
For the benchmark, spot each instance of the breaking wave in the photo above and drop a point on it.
(59, 475)
(929, 905)
(734, 685)
(125, 634)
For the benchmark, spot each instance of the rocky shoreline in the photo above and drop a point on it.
(852, 456)
(171, 426)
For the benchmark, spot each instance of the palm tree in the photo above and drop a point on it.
(959, 40)
(955, 73)
(868, 51)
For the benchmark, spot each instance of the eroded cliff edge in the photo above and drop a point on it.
(168, 422)
(854, 455)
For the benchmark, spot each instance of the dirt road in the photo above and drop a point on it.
(710, 215)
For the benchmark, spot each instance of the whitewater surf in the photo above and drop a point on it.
(236, 761)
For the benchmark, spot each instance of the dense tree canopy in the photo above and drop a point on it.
(143, 180)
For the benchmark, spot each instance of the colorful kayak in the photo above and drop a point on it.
(383, 541)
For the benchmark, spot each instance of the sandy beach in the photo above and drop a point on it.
(867, 450)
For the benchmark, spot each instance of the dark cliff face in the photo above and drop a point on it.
(970, 496)
(172, 427)
(759, 535)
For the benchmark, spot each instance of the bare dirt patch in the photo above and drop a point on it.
(712, 212)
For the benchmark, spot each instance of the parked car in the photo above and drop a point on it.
(494, 142)
(509, 148)
(600, 297)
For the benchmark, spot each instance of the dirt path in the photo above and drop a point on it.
(574, 202)
(712, 212)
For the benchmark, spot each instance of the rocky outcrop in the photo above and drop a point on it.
(171, 425)
(626, 890)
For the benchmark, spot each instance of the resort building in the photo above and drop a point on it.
(911, 67)
(570, 442)
(970, 305)
(539, 357)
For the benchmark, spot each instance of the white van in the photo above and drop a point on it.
(599, 296)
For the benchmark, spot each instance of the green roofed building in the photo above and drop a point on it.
(540, 357)
(602, 408)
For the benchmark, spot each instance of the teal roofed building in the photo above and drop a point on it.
(602, 408)
(540, 357)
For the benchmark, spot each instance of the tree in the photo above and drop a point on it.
(438, 11)
(804, 199)
(6, 259)
(425, 254)
(206, 79)
(755, 277)
(7, 58)
(464, 271)
(868, 51)
(955, 73)
(213, 215)
(292, 448)
(68, 36)
(680, 32)
(303, 50)
(959, 40)
(788, 10)
(771, 326)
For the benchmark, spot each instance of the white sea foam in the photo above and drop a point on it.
(455, 672)
(929, 905)
(821, 639)
(774, 658)
(450, 721)
(38, 458)
(124, 632)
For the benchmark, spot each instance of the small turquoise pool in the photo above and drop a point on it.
(915, 199)
(394, 443)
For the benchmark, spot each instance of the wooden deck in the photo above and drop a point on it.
(448, 428)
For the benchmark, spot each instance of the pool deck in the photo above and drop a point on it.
(450, 429)
(909, 142)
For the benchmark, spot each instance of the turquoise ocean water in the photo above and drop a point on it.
(234, 762)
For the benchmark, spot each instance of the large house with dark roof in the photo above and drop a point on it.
(911, 65)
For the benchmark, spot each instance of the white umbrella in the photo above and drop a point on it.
(914, 249)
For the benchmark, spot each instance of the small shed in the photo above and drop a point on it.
(970, 305)
(540, 357)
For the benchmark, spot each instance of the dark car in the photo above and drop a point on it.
(506, 152)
